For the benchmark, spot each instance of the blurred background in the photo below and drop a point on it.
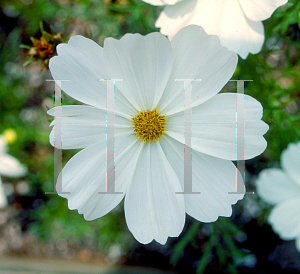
(39, 234)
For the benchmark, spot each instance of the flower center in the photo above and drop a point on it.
(149, 125)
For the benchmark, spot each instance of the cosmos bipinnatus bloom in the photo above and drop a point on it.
(149, 129)
(9, 167)
(281, 188)
(236, 22)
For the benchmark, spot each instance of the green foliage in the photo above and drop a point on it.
(219, 244)
(180, 246)
(276, 79)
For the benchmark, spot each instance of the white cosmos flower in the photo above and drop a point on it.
(150, 174)
(236, 22)
(9, 167)
(281, 187)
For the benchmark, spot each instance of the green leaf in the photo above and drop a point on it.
(229, 225)
(180, 246)
(29, 61)
(42, 27)
(25, 47)
(236, 252)
(206, 255)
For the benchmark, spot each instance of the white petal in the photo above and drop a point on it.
(225, 19)
(175, 17)
(274, 186)
(85, 175)
(197, 56)
(3, 199)
(81, 62)
(213, 177)
(298, 243)
(152, 209)
(82, 126)
(161, 2)
(290, 161)
(144, 63)
(11, 167)
(259, 10)
(285, 219)
(214, 127)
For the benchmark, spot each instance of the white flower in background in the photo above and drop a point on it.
(281, 187)
(150, 174)
(236, 22)
(9, 167)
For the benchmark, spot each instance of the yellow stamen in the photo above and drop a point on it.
(149, 125)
